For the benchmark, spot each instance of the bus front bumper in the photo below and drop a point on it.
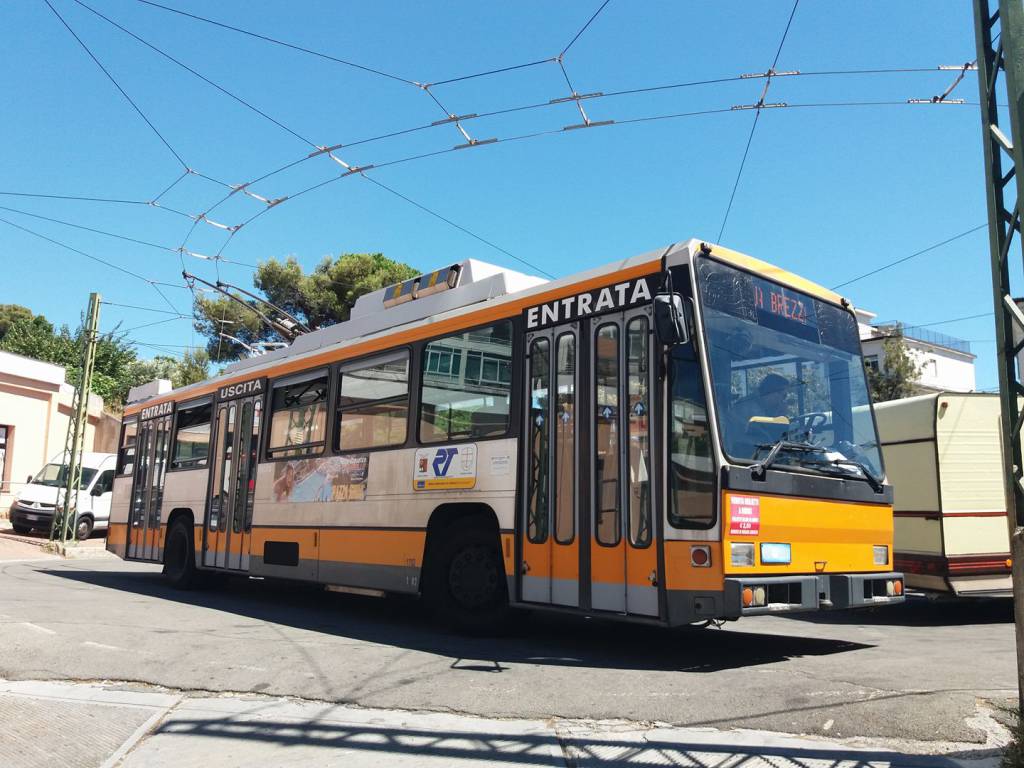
(753, 595)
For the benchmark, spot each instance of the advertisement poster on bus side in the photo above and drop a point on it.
(334, 478)
(744, 515)
(446, 468)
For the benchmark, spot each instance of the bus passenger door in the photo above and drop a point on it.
(623, 551)
(148, 488)
(550, 565)
(226, 533)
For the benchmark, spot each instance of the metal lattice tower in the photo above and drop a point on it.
(65, 513)
(1000, 40)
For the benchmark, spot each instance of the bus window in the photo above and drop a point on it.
(192, 437)
(298, 416)
(565, 439)
(466, 385)
(606, 438)
(691, 473)
(373, 403)
(126, 452)
(540, 389)
(638, 402)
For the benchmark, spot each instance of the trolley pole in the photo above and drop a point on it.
(66, 510)
(1001, 53)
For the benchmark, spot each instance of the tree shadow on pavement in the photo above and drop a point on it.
(538, 638)
(919, 611)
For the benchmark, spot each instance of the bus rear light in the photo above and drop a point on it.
(700, 556)
(741, 555)
(881, 554)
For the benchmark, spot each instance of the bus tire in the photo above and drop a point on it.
(467, 586)
(179, 558)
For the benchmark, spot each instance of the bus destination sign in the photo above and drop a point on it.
(620, 296)
(774, 300)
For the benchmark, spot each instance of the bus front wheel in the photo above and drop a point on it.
(468, 586)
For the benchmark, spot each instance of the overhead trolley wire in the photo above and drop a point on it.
(275, 41)
(914, 255)
(118, 86)
(583, 29)
(757, 115)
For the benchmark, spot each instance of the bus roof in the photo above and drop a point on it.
(484, 293)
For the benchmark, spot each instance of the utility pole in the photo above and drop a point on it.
(65, 513)
(1002, 54)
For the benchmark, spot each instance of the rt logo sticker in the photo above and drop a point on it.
(450, 467)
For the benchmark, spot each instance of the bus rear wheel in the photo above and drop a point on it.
(179, 557)
(467, 585)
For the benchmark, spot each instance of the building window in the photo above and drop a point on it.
(298, 416)
(466, 385)
(373, 403)
(192, 439)
(871, 362)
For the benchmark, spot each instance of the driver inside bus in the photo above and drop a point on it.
(761, 416)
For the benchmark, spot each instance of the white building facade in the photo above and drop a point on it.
(946, 363)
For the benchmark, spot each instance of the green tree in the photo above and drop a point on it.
(323, 297)
(897, 372)
(12, 313)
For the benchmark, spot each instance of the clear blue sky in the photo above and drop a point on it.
(828, 192)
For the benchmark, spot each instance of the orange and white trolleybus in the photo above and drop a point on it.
(683, 436)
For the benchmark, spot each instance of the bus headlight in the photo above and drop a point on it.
(881, 552)
(776, 554)
(742, 554)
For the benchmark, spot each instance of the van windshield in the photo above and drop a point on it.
(785, 367)
(56, 476)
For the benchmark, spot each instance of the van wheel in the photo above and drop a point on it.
(179, 557)
(467, 583)
(22, 529)
(83, 529)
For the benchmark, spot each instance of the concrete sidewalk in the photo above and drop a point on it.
(110, 724)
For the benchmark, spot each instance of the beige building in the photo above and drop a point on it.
(35, 407)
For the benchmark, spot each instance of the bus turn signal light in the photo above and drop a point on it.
(748, 597)
(897, 587)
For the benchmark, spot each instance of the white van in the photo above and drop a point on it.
(33, 508)
(943, 457)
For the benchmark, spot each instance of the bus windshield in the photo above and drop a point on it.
(786, 368)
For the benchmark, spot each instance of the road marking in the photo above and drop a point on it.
(105, 647)
(36, 627)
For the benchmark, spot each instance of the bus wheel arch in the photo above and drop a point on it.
(179, 550)
(463, 575)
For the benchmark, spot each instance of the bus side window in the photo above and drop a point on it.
(298, 416)
(126, 451)
(466, 384)
(192, 437)
(373, 403)
(691, 468)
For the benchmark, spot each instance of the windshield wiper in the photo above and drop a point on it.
(874, 482)
(758, 468)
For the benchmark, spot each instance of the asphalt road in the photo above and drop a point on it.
(917, 671)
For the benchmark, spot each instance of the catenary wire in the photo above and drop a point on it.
(118, 86)
(583, 29)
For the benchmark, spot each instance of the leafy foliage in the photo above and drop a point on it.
(12, 313)
(323, 297)
(897, 373)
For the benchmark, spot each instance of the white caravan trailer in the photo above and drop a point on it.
(942, 455)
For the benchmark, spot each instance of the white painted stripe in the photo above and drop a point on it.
(37, 628)
(91, 644)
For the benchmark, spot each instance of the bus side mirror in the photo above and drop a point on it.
(670, 319)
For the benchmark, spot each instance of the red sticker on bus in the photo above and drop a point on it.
(744, 515)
